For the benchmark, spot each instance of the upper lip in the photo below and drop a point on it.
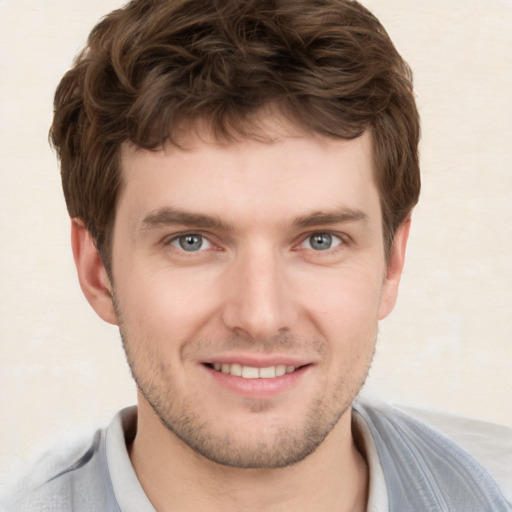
(259, 360)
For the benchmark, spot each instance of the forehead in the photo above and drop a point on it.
(288, 174)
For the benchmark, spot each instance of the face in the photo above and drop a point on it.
(248, 281)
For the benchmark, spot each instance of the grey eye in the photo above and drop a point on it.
(190, 242)
(321, 241)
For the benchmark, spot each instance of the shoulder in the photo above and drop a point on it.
(489, 443)
(69, 478)
(446, 454)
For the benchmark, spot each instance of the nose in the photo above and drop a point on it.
(260, 303)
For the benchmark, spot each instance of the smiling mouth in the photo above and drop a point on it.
(251, 372)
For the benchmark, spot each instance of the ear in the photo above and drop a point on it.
(394, 269)
(92, 275)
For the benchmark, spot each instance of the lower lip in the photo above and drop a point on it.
(258, 388)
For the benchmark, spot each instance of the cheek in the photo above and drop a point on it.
(344, 307)
(348, 293)
(165, 304)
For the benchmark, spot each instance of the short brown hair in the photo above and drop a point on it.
(156, 65)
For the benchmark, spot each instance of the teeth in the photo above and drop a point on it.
(280, 370)
(267, 373)
(250, 372)
(236, 370)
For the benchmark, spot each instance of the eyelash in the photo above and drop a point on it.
(176, 239)
(338, 239)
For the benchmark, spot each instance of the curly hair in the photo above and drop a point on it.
(155, 67)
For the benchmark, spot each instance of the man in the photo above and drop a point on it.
(240, 177)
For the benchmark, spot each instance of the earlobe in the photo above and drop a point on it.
(394, 269)
(92, 275)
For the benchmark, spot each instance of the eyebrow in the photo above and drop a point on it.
(320, 218)
(172, 217)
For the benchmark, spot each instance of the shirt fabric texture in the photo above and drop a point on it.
(413, 467)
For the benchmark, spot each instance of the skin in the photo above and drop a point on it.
(260, 292)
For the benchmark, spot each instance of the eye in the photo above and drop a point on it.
(321, 241)
(191, 242)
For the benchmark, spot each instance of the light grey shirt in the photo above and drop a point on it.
(412, 467)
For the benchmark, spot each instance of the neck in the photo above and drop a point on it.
(174, 477)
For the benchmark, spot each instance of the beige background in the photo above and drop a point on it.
(448, 344)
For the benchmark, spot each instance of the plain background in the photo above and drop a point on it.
(447, 346)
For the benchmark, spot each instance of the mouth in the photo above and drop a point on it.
(252, 372)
